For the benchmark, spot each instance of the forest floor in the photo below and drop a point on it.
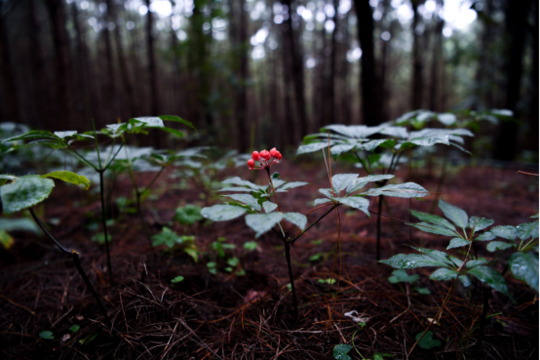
(251, 316)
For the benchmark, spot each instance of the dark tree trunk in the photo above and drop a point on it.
(8, 86)
(516, 23)
(110, 81)
(152, 69)
(531, 140)
(434, 93)
(368, 77)
(418, 66)
(64, 117)
(289, 137)
(331, 114)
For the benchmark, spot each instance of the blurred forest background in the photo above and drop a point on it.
(269, 72)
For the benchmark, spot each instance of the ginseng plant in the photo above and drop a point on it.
(264, 215)
(97, 161)
(24, 192)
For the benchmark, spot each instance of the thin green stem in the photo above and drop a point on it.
(379, 228)
(314, 223)
(109, 161)
(96, 141)
(104, 222)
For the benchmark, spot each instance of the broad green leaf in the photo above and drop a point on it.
(457, 242)
(486, 236)
(297, 219)
(342, 181)
(507, 232)
(458, 216)
(356, 202)
(478, 223)
(177, 279)
(74, 328)
(424, 141)
(5, 239)
(465, 281)
(375, 178)
(473, 263)
(434, 219)
(69, 177)
(21, 224)
(269, 206)
(498, 245)
(222, 212)
(447, 118)
(188, 215)
(25, 192)
(528, 230)
(47, 335)
(291, 185)
(64, 134)
(172, 131)
(246, 199)
(524, 266)
(321, 201)
(354, 131)
(32, 135)
(427, 342)
(341, 148)
(261, 223)
(402, 276)
(411, 261)
(492, 278)
(250, 245)
(435, 254)
(237, 181)
(150, 121)
(327, 193)
(373, 144)
(395, 131)
(443, 274)
(166, 237)
(303, 149)
(404, 190)
(434, 229)
(236, 189)
(177, 119)
(341, 351)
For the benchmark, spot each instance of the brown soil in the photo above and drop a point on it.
(251, 316)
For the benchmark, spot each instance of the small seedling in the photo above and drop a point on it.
(177, 279)
(47, 335)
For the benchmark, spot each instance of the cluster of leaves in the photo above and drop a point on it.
(467, 231)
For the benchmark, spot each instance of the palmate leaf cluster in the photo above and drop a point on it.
(253, 200)
(465, 231)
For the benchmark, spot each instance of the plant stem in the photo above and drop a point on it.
(313, 224)
(288, 256)
(75, 257)
(104, 222)
(379, 228)
(277, 203)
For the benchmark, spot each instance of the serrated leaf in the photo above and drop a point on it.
(507, 232)
(524, 267)
(321, 201)
(354, 131)
(64, 134)
(498, 245)
(491, 277)
(486, 236)
(411, 261)
(356, 202)
(25, 192)
(473, 263)
(261, 223)
(455, 214)
(479, 223)
(327, 193)
(341, 351)
(395, 131)
(177, 119)
(528, 230)
(69, 177)
(434, 219)
(443, 274)
(166, 237)
(297, 219)
(373, 144)
(222, 212)
(237, 181)
(457, 242)
(435, 254)
(342, 181)
(172, 131)
(246, 199)
(150, 121)
(427, 342)
(236, 189)
(303, 149)
(434, 229)
(402, 276)
(341, 148)
(269, 206)
(291, 185)
(404, 190)
(424, 141)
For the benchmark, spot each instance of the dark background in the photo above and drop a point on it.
(256, 72)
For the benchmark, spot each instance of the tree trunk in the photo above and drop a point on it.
(434, 92)
(331, 114)
(368, 78)
(152, 69)
(516, 23)
(417, 83)
(9, 88)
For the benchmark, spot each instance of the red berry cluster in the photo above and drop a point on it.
(265, 158)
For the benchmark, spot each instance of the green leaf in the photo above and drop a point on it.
(412, 261)
(478, 223)
(177, 279)
(497, 245)
(341, 351)
(22, 224)
(435, 254)
(457, 242)
(222, 212)
(261, 223)
(69, 177)
(434, 229)
(528, 230)
(74, 328)
(524, 266)
(166, 237)
(150, 121)
(354, 131)
(402, 276)
(458, 216)
(486, 236)
(507, 232)
(5, 239)
(177, 119)
(427, 342)
(373, 144)
(338, 149)
(233, 261)
(297, 219)
(465, 280)
(269, 206)
(342, 181)
(303, 149)
(237, 181)
(404, 190)
(25, 192)
(434, 219)
(65, 134)
(443, 274)
(356, 202)
(473, 263)
(250, 245)
(188, 215)
(291, 185)
(246, 199)
(193, 252)
(492, 278)
(172, 131)
(423, 291)
(47, 335)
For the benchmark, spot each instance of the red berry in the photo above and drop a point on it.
(273, 152)
(251, 163)
(277, 155)
(265, 154)
(255, 155)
